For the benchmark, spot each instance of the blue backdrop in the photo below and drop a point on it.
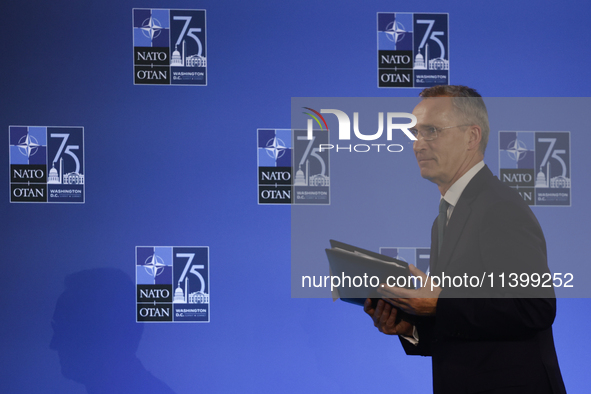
(176, 166)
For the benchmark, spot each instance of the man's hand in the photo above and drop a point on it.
(421, 302)
(384, 318)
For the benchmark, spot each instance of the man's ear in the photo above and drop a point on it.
(474, 137)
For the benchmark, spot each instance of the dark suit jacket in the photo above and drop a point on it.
(490, 340)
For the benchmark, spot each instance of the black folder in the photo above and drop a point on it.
(351, 261)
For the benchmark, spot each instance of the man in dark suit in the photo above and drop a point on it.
(491, 339)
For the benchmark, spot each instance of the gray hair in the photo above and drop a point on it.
(469, 104)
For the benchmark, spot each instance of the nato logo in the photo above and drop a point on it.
(274, 156)
(169, 47)
(172, 284)
(292, 169)
(537, 165)
(46, 164)
(419, 257)
(413, 50)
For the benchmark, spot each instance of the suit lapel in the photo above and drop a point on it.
(459, 217)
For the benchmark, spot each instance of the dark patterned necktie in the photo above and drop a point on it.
(441, 222)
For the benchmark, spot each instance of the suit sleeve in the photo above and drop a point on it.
(424, 326)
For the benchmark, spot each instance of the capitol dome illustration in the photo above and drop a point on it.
(53, 176)
(541, 179)
(300, 178)
(420, 61)
(179, 295)
(176, 59)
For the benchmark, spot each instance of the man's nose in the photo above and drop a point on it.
(419, 144)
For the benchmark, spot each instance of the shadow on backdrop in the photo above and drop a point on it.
(96, 336)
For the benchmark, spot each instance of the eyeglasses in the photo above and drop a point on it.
(430, 133)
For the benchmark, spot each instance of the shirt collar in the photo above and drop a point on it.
(455, 191)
